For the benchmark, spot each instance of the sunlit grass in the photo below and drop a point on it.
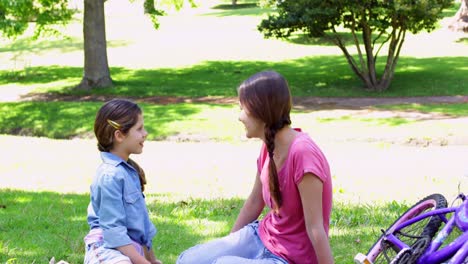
(65, 120)
(454, 110)
(326, 76)
(55, 225)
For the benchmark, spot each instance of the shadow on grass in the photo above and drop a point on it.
(451, 11)
(463, 40)
(346, 37)
(36, 226)
(236, 6)
(394, 121)
(326, 76)
(241, 9)
(66, 120)
(40, 75)
(38, 47)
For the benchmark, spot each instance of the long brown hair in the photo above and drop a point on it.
(267, 97)
(117, 114)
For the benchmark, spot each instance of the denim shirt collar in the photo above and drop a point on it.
(114, 160)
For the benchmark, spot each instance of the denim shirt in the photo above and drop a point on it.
(118, 205)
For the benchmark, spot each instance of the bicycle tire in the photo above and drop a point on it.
(429, 227)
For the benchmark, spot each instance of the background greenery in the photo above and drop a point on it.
(34, 226)
(325, 76)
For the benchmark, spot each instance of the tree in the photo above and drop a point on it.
(371, 24)
(96, 68)
(17, 15)
(460, 20)
(96, 73)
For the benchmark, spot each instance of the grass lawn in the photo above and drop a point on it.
(202, 52)
(209, 51)
(37, 226)
(202, 122)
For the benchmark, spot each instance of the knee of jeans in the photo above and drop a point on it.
(182, 258)
(227, 260)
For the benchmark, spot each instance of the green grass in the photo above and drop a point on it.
(325, 76)
(66, 120)
(454, 110)
(36, 226)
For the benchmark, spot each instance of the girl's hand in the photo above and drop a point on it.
(156, 261)
(149, 254)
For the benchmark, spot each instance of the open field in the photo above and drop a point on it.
(363, 172)
(198, 163)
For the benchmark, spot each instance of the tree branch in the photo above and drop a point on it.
(337, 40)
(357, 44)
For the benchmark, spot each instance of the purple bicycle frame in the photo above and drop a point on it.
(456, 251)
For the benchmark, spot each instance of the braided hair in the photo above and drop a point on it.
(267, 97)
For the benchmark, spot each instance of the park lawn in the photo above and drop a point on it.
(216, 48)
(34, 226)
(37, 226)
(218, 122)
(323, 76)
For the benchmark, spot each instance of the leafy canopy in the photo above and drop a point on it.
(316, 17)
(16, 16)
(372, 23)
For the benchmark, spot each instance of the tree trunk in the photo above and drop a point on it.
(460, 20)
(96, 69)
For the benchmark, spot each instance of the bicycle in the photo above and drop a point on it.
(410, 239)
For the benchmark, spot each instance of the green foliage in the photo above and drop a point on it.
(154, 11)
(16, 15)
(316, 17)
(388, 20)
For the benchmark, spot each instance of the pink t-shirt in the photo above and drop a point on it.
(285, 234)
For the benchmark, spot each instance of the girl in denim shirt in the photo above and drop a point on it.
(120, 227)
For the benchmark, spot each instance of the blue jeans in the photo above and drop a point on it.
(243, 246)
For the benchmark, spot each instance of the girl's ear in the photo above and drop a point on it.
(119, 136)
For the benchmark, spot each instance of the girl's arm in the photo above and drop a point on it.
(130, 251)
(149, 254)
(310, 189)
(252, 207)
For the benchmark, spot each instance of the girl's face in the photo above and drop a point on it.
(134, 139)
(254, 128)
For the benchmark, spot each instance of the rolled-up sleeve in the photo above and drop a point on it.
(112, 218)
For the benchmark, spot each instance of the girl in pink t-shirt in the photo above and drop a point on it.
(293, 180)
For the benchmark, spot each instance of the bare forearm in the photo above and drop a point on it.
(321, 245)
(131, 252)
(248, 213)
(149, 254)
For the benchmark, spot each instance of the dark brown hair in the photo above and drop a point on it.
(117, 114)
(267, 97)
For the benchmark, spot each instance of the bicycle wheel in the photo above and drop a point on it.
(418, 234)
